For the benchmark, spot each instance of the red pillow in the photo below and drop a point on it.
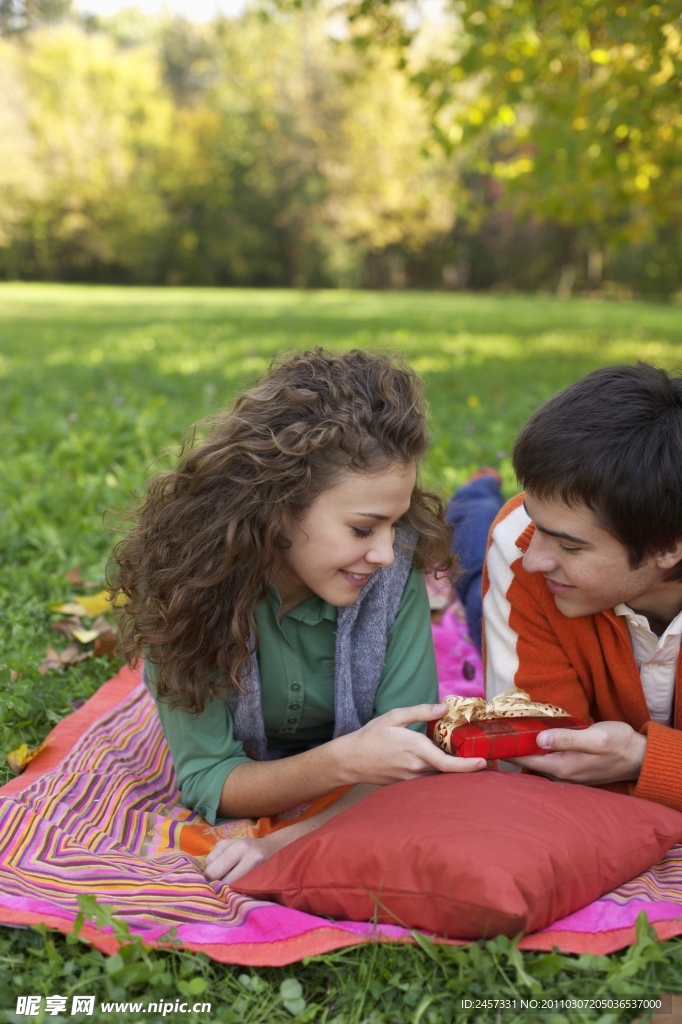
(469, 856)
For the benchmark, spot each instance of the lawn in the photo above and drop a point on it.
(97, 385)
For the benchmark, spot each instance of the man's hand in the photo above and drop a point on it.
(604, 752)
(385, 750)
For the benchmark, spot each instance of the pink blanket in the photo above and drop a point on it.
(98, 812)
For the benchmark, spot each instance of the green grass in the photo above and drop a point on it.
(95, 384)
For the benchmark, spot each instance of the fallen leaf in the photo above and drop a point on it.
(107, 637)
(74, 576)
(68, 626)
(14, 676)
(21, 757)
(85, 636)
(102, 632)
(60, 659)
(70, 608)
(100, 625)
(106, 645)
(50, 661)
(96, 604)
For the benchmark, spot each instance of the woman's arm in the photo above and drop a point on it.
(204, 751)
(383, 751)
(231, 858)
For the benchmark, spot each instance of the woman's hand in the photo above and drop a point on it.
(231, 858)
(385, 750)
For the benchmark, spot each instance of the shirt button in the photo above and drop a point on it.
(291, 721)
(294, 707)
(295, 686)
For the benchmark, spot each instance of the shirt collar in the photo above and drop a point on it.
(311, 611)
(673, 629)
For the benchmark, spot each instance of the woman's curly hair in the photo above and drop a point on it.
(208, 533)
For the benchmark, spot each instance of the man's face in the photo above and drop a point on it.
(586, 568)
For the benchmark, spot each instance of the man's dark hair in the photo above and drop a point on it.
(613, 441)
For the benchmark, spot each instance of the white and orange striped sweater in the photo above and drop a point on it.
(585, 665)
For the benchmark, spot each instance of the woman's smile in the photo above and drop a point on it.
(356, 579)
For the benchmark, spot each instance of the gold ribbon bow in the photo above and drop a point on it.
(511, 703)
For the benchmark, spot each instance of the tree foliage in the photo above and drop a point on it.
(89, 125)
(500, 144)
(579, 106)
(254, 150)
(563, 113)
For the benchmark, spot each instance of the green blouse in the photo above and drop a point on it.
(296, 667)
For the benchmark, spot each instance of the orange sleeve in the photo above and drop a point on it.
(661, 775)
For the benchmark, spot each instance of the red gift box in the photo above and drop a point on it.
(501, 737)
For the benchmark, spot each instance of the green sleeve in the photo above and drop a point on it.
(204, 751)
(409, 676)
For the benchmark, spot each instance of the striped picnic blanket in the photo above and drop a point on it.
(98, 812)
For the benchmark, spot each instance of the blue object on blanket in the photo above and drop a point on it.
(471, 512)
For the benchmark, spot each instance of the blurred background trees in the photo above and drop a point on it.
(489, 145)
(570, 115)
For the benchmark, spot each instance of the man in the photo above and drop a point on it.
(583, 584)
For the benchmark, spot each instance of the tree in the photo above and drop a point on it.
(562, 112)
(255, 150)
(298, 163)
(90, 125)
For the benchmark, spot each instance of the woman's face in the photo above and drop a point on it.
(344, 537)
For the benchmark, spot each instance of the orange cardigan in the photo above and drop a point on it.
(585, 665)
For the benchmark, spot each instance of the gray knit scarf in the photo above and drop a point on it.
(361, 633)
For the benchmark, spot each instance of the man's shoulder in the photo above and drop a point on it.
(511, 530)
(505, 582)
